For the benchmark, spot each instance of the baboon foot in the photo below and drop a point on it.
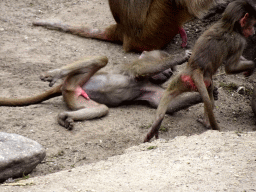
(205, 123)
(65, 121)
(149, 136)
(51, 76)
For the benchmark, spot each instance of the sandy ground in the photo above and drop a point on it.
(26, 51)
(211, 161)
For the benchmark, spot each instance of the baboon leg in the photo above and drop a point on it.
(198, 78)
(177, 104)
(91, 110)
(82, 66)
(77, 74)
(161, 110)
(205, 119)
(171, 100)
(174, 89)
(112, 33)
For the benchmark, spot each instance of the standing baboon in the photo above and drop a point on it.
(224, 42)
(142, 24)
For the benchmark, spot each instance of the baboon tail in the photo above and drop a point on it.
(54, 92)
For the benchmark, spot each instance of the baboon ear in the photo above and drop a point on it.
(244, 20)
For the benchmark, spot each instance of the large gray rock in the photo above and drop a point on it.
(18, 155)
(211, 161)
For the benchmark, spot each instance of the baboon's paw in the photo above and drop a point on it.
(202, 120)
(69, 123)
(188, 53)
(65, 121)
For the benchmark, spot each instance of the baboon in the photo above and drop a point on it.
(223, 42)
(142, 25)
(88, 94)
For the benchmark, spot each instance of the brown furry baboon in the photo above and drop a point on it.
(142, 24)
(224, 42)
(88, 94)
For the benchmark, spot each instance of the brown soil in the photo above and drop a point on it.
(26, 51)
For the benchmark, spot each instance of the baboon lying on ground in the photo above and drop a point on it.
(88, 94)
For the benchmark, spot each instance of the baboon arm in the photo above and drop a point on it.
(153, 67)
(179, 59)
(241, 66)
(238, 64)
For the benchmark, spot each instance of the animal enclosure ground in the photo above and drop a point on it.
(26, 51)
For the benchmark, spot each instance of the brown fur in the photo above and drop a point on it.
(222, 43)
(154, 62)
(142, 25)
(104, 89)
(54, 92)
(196, 8)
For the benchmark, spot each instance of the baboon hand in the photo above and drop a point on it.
(188, 53)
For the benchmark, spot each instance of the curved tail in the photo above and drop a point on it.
(54, 92)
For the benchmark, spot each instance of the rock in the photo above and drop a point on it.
(241, 90)
(18, 155)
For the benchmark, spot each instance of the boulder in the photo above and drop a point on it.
(18, 155)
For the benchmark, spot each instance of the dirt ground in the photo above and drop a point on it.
(26, 51)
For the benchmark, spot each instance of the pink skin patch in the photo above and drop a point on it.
(79, 91)
(183, 36)
(190, 83)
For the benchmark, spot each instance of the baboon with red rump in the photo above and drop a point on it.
(222, 43)
(142, 24)
(87, 93)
